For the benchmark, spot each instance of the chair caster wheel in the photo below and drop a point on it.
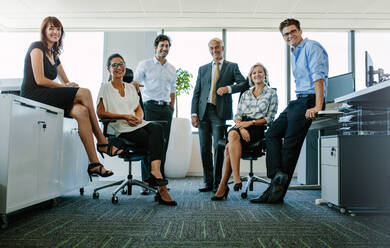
(81, 191)
(95, 195)
(330, 205)
(342, 210)
(124, 191)
(244, 195)
(114, 200)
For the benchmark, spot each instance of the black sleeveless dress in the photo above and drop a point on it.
(62, 97)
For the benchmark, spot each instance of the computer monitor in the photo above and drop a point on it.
(339, 86)
(369, 68)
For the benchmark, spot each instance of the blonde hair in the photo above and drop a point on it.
(265, 72)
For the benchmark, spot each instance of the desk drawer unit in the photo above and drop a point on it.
(330, 169)
(355, 171)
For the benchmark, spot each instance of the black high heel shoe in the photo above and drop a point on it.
(153, 181)
(162, 202)
(220, 198)
(109, 150)
(98, 172)
(237, 186)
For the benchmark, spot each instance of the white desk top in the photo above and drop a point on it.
(376, 93)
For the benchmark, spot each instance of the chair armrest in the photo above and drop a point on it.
(105, 123)
(222, 142)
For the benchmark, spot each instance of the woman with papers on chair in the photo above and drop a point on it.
(257, 107)
(119, 100)
(41, 67)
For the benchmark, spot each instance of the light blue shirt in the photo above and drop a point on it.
(159, 80)
(309, 64)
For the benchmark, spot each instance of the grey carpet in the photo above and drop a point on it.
(138, 221)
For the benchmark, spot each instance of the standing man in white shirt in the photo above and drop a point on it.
(159, 80)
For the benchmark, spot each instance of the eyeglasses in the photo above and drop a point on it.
(292, 32)
(115, 65)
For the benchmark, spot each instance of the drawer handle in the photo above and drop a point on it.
(43, 124)
(333, 151)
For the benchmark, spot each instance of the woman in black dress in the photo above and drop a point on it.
(41, 67)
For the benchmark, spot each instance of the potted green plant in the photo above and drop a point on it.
(180, 142)
(183, 85)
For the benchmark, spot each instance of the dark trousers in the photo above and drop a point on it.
(155, 112)
(210, 133)
(285, 136)
(149, 137)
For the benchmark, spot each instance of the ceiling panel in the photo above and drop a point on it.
(18, 15)
(161, 5)
(207, 6)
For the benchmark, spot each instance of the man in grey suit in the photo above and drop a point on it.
(212, 106)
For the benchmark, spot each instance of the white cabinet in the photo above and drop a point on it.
(330, 177)
(30, 152)
(355, 172)
(75, 160)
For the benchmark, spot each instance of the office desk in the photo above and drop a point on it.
(355, 168)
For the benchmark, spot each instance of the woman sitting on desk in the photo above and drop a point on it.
(257, 107)
(41, 66)
(119, 100)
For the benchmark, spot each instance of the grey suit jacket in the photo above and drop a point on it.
(231, 76)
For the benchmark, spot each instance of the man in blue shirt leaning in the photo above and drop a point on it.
(286, 134)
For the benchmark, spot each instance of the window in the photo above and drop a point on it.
(268, 48)
(376, 44)
(13, 48)
(189, 51)
(82, 56)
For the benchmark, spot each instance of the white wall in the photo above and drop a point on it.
(133, 46)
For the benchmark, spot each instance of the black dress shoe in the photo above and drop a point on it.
(263, 198)
(208, 188)
(220, 198)
(145, 192)
(162, 202)
(278, 185)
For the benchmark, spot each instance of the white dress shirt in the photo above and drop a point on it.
(159, 80)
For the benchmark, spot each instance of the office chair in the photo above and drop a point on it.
(131, 153)
(251, 152)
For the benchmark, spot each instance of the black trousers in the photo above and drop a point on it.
(149, 137)
(155, 112)
(285, 136)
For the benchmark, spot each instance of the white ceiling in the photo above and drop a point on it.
(105, 15)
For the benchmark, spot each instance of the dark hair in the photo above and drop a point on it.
(57, 47)
(112, 56)
(161, 37)
(289, 22)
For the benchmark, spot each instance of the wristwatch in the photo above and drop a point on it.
(254, 122)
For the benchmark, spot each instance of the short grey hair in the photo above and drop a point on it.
(265, 72)
(217, 40)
